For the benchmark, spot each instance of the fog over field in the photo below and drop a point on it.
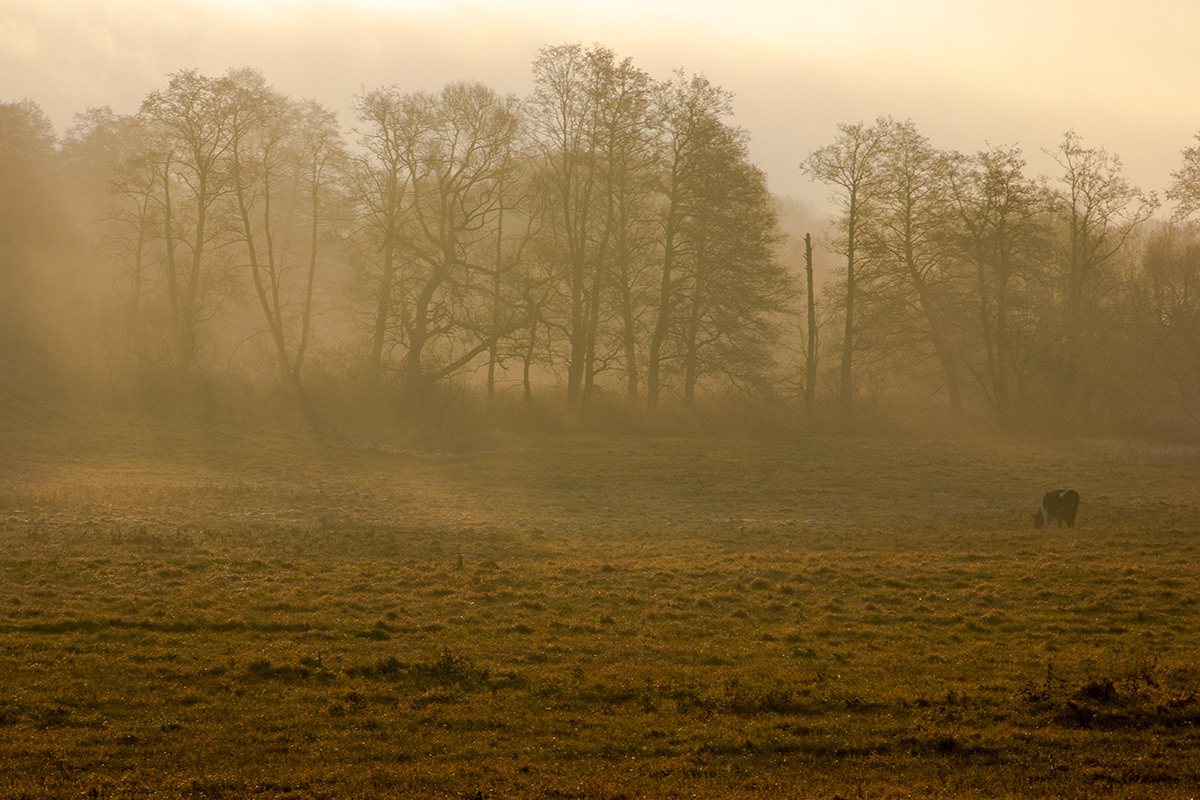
(504, 399)
(324, 207)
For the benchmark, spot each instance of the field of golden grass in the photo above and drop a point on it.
(223, 613)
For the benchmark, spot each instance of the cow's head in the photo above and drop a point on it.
(1039, 518)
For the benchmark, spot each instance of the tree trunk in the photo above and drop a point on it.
(665, 301)
(493, 351)
(847, 383)
(810, 377)
(383, 310)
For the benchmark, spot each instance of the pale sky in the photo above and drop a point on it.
(1124, 75)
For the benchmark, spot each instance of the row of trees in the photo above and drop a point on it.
(1048, 299)
(608, 231)
(607, 234)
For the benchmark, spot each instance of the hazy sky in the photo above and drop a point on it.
(1125, 75)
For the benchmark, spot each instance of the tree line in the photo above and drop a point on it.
(1061, 301)
(605, 237)
(607, 232)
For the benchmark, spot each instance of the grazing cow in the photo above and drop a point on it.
(1060, 505)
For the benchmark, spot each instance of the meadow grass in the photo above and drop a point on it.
(233, 613)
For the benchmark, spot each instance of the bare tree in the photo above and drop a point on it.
(1098, 210)
(851, 165)
(591, 116)
(279, 151)
(1185, 183)
(909, 237)
(563, 115)
(382, 186)
(689, 109)
(732, 285)
(1001, 213)
(515, 279)
(192, 113)
(457, 149)
(623, 143)
(1161, 335)
(261, 120)
(321, 160)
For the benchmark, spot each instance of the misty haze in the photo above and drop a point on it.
(565, 423)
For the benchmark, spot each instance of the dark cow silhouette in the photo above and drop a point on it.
(1061, 505)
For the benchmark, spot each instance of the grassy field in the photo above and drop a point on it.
(223, 613)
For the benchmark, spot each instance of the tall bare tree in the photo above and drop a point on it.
(1002, 217)
(623, 143)
(321, 161)
(457, 149)
(690, 109)
(851, 165)
(382, 187)
(193, 115)
(1098, 210)
(563, 115)
(910, 238)
(733, 286)
(261, 122)
(280, 151)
